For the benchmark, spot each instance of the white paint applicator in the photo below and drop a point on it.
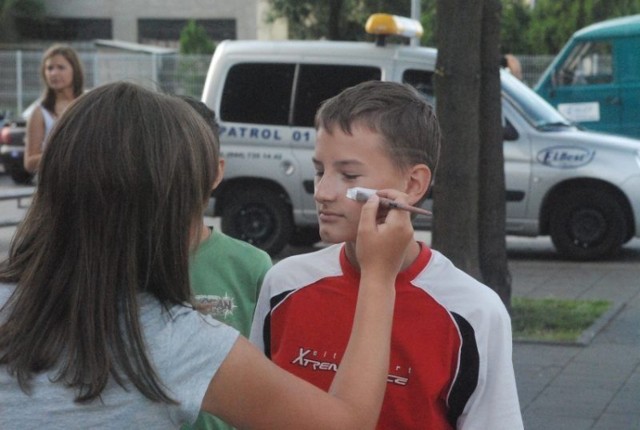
(361, 194)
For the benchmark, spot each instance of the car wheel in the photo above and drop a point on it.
(15, 169)
(305, 236)
(260, 217)
(588, 225)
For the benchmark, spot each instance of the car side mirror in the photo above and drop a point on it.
(509, 132)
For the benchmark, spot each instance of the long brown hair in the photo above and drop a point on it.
(126, 175)
(49, 96)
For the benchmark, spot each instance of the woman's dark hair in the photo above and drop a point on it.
(123, 183)
(49, 97)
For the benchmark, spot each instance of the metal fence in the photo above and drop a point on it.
(20, 82)
(533, 66)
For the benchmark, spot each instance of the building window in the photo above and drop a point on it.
(67, 29)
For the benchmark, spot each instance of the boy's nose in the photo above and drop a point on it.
(323, 191)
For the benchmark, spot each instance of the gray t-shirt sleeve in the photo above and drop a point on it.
(188, 350)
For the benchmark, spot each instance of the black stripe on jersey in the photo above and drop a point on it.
(266, 328)
(467, 378)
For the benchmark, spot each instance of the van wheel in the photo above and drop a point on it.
(588, 225)
(305, 236)
(260, 217)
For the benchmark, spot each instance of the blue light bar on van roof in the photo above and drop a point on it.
(384, 24)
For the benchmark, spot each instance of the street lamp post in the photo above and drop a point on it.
(415, 14)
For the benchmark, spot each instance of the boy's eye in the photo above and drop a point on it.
(319, 173)
(350, 177)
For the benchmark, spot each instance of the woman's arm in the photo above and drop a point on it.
(33, 141)
(249, 391)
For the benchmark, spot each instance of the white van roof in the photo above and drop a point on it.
(323, 50)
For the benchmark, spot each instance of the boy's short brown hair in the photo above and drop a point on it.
(396, 111)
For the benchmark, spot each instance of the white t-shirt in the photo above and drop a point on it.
(186, 348)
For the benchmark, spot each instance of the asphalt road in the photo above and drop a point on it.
(518, 248)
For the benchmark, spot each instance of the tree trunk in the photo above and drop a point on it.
(469, 191)
(335, 9)
(492, 209)
(457, 89)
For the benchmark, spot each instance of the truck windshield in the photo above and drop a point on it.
(534, 108)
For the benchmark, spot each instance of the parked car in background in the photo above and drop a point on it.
(12, 146)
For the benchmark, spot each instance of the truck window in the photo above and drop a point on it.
(628, 60)
(422, 80)
(588, 63)
(258, 93)
(531, 106)
(318, 82)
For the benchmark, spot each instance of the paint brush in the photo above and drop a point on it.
(362, 195)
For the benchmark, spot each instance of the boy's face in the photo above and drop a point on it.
(344, 161)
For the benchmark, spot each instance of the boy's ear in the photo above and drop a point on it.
(220, 174)
(418, 180)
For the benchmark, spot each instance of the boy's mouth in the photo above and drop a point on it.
(325, 215)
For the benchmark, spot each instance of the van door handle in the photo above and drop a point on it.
(613, 100)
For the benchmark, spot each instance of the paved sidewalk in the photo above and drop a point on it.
(596, 386)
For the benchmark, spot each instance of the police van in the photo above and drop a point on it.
(581, 188)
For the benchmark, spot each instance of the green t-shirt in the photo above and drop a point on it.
(226, 276)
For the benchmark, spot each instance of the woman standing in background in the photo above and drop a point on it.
(63, 77)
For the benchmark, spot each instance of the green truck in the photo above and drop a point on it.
(595, 79)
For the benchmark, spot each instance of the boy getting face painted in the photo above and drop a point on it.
(450, 365)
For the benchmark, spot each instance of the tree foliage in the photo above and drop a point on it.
(196, 47)
(429, 22)
(547, 27)
(11, 10)
(541, 30)
(195, 40)
(333, 19)
(516, 19)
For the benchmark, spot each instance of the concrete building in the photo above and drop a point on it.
(156, 22)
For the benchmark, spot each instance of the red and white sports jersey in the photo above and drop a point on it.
(450, 364)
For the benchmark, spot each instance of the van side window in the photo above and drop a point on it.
(318, 82)
(422, 80)
(589, 63)
(258, 93)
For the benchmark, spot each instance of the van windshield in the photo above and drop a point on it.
(534, 108)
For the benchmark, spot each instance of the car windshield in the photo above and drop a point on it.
(534, 108)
